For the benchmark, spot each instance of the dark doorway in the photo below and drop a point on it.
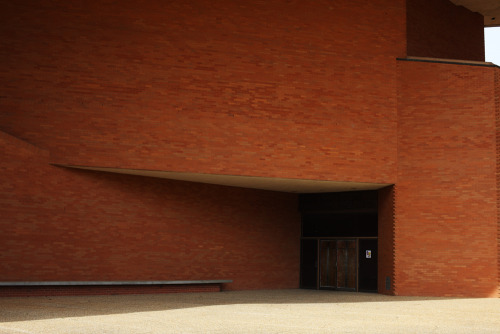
(367, 261)
(309, 264)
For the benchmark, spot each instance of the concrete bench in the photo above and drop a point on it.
(56, 288)
(69, 283)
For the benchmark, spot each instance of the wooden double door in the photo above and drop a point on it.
(337, 264)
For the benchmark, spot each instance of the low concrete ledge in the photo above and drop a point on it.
(449, 61)
(70, 283)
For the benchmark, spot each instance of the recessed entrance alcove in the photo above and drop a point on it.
(339, 241)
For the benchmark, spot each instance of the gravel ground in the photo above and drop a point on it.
(273, 311)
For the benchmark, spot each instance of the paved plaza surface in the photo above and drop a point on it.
(273, 311)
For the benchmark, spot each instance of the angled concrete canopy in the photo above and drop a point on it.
(263, 183)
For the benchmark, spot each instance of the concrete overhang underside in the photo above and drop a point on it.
(254, 182)
(490, 9)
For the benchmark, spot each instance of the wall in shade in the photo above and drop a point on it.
(440, 29)
(386, 240)
(69, 225)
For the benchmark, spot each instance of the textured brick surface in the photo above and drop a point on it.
(446, 201)
(59, 224)
(277, 88)
(440, 29)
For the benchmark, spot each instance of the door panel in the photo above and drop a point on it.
(368, 258)
(328, 269)
(346, 264)
(342, 255)
(351, 279)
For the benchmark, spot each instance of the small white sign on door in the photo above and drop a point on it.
(368, 254)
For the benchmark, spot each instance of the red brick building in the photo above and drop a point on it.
(339, 144)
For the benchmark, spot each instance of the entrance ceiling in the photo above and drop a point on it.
(490, 9)
(263, 183)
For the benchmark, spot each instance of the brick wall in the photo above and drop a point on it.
(446, 201)
(60, 224)
(275, 88)
(281, 88)
(440, 29)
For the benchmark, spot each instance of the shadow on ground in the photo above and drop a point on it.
(38, 308)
